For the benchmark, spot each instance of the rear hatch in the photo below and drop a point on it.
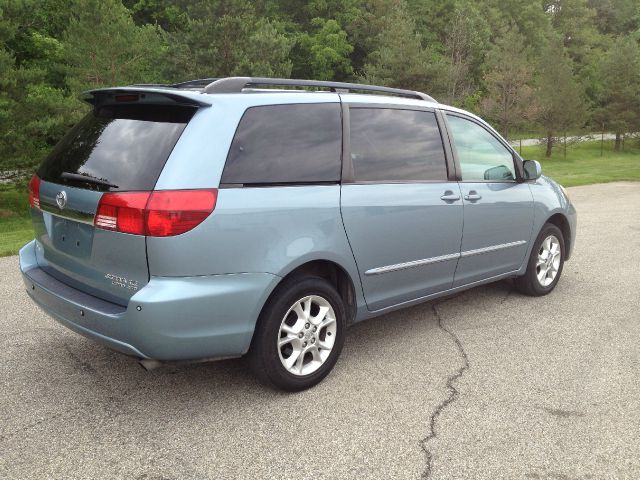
(121, 146)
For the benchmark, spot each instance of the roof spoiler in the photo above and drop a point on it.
(143, 95)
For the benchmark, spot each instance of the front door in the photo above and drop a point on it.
(402, 215)
(498, 210)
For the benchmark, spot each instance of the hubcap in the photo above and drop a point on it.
(548, 263)
(307, 335)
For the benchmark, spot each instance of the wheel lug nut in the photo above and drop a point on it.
(304, 344)
(313, 340)
(306, 325)
(300, 335)
(315, 329)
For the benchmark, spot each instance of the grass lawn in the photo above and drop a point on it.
(583, 166)
(15, 223)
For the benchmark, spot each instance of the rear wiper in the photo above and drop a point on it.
(87, 178)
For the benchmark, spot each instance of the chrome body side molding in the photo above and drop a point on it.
(414, 263)
(492, 248)
(442, 258)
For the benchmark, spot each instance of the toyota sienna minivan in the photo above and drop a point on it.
(242, 216)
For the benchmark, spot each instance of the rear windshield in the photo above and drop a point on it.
(122, 147)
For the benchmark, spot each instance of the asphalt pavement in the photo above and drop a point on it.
(488, 384)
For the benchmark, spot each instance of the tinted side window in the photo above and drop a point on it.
(396, 145)
(482, 157)
(286, 144)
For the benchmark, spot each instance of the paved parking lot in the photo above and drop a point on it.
(485, 385)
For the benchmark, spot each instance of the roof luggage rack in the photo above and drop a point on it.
(198, 84)
(237, 84)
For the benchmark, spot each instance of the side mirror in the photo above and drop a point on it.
(532, 169)
(501, 172)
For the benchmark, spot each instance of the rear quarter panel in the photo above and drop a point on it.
(258, 230)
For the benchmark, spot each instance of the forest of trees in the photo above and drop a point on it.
(546, 66)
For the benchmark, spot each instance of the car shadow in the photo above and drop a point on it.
(88, 371)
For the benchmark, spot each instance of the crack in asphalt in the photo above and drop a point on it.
(84, 366)
(452, 397)
(510, 290)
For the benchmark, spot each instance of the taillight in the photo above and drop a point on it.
(126, 98)
(122, 212)
(175, 212)
(34, 192)
(156, 214)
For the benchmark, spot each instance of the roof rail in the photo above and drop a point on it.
(190, 84)
(237, 84)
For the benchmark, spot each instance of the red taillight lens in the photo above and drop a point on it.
(122, 212)
(34, 192)
(177, 211)
(156, 214)
(126, 98)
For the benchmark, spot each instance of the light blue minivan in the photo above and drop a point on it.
(255, 216)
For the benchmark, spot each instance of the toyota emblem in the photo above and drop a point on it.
(61, 199)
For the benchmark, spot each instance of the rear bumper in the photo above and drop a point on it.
(170, 318)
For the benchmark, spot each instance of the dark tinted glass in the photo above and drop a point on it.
(117, 148)
(396, 145)
(286, 144)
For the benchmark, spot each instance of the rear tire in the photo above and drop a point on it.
(299, 335)
(545, 263)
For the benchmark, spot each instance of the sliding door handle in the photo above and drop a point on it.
(472, 196)
(449, 196)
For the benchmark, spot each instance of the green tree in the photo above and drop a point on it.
(33, 95)
(399, 60)
(509, 100)
(560, 97)
(620, 96)
(170, 15)
(266, 52)
(226, 38)
(465, 43)
(7, 84)
(616, 17)
(104, 47)
(574, 21)
(325, 52)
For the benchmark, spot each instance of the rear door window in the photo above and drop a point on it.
(281, 144)
(393, 145)
(117, 148)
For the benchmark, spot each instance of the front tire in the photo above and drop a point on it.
(545, 263)
(299, 335)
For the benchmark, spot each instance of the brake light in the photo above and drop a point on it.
(126, 98)
(122, 212)
(162, 213)
(34, 192)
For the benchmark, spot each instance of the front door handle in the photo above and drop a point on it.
(472, 196)
(449, 196)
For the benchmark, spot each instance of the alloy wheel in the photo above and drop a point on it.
(307, 335)
(548, 263)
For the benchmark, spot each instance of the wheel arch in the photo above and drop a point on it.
(561, 221)
(331, 271)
